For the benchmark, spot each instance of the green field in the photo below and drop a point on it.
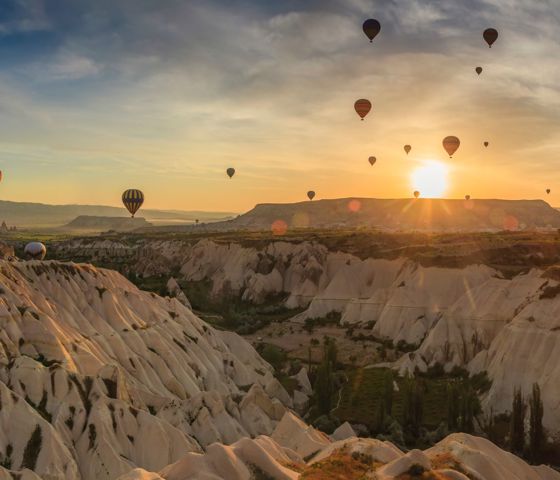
(363, 392)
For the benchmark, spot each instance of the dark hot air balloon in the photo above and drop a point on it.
(416, 194)
(372, 161)
(132, 200)
(478, 70)
(467, 197)
(451, 144)
(362, 107)
(230, 172)
(486, 144)
(311, 194)
(407, 149)
(371, 28)
(490, 35)
(35, 251)
(548, 191)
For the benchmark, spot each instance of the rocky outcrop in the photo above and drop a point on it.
(458, 457)
(474, 317)
(98, 378)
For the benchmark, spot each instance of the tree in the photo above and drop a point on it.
(536, 430)
(388, 392)
(413, 408)
(517, 425)
(324, 387)
(469, 402)
(452, 407)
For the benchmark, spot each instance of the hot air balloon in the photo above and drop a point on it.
(478, 70)
(407, 149)
(132, 200)
(35, 251)
(451, 144)
(372, 161)
(0, 175)
(230, 172)
(416, 194)
(371, 28)
(362, 107)
(490, 35)
(467, 197)
(486, 144)
(548, 191)
(311, 194)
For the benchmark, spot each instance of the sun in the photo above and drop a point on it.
(430, 179)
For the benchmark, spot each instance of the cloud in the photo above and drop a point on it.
(194, 86)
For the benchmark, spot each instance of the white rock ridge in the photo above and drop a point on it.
(98, 378)
(472, 317)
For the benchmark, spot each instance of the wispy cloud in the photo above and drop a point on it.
(185, 89)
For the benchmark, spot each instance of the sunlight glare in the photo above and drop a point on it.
(430, 179)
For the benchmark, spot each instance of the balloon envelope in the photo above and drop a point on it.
(478, 70)
(467, 197)
(416, 194)
(362, 107)
(371, 28)
(35, 251)
(451, 144)
(372, 161)
(548, 190)
(132, 200)
(230, 172)
(407, 149)
(490, 35)
(486, 144)
(311, 194)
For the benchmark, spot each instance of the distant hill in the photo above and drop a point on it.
(120, 224)
(398, 214)
(28, 215)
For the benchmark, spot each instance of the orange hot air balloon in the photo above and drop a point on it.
(407, 149)
(467, 197)
(416, 194)
(362, 107)
(371, 28)
(451, 144)
(311, 194)
(486, 144)
(372, 161)
(478, 70)
(490, 35)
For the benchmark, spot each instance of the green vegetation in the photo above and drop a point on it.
(429, 402)
(229, 312)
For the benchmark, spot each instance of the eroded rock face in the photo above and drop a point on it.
(458, 457)
(98, 378)
(6, 251)
(471, 317)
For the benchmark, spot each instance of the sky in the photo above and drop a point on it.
(100, 96)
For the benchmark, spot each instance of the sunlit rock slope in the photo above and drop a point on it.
(474, 316)
(98, 378)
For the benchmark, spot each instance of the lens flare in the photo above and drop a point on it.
(430, 179)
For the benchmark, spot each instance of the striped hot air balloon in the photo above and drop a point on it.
(132, 200)
(362, 107)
